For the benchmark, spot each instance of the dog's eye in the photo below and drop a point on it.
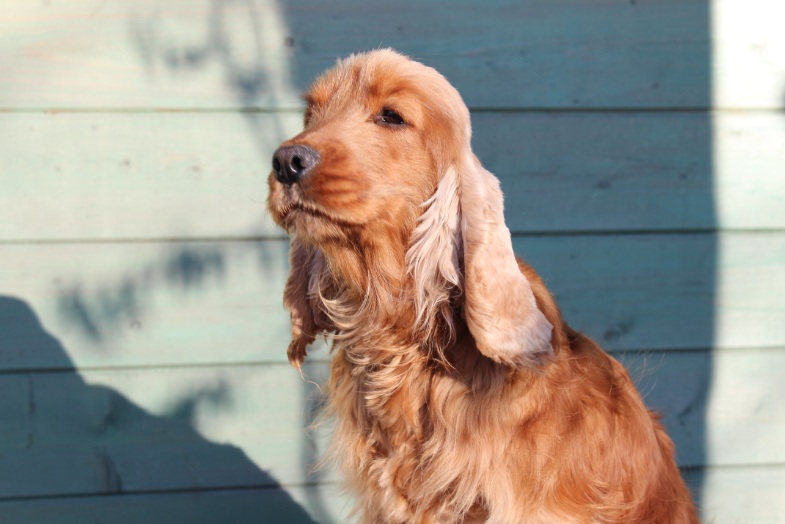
(388, 117)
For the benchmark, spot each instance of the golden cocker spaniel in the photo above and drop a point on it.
(458, 392)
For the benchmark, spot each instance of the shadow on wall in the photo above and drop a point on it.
(103, 313)
(63, 436)
(100, 314)
(106, 310)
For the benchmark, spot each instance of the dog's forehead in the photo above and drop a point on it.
(378, 78)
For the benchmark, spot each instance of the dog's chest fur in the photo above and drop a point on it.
(420, 450)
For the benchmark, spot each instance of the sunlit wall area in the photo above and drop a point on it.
(747, 477)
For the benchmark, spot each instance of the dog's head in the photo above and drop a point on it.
(384, 165)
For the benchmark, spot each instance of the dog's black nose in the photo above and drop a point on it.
(291, 163)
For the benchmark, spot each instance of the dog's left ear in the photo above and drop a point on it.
(499, 304)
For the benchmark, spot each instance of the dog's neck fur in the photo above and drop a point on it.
(369, 297)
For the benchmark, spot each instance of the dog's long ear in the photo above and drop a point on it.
(499, 304)
(298, 297)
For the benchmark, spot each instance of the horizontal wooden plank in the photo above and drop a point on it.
(142, 304)
(137, 176)
(637, 171)
(730, 496)
(99, 305)
(187, 54)
(294, 505)
(176, 429)
(104, 177)
(667, 291)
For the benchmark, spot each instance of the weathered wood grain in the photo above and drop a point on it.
(213, 302)
(232, 427)
(572, 54)
(172, 175)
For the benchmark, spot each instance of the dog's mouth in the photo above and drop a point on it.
(294, 207)
(296, 215)
(291, 213)
(286, 203)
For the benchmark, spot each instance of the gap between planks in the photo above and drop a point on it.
(173, 491)
(284, 238)
(299, 109)
(618, 354)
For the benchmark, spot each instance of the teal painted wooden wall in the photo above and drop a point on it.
(640, 143)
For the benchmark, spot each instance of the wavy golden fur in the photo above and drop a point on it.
(459, 393)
